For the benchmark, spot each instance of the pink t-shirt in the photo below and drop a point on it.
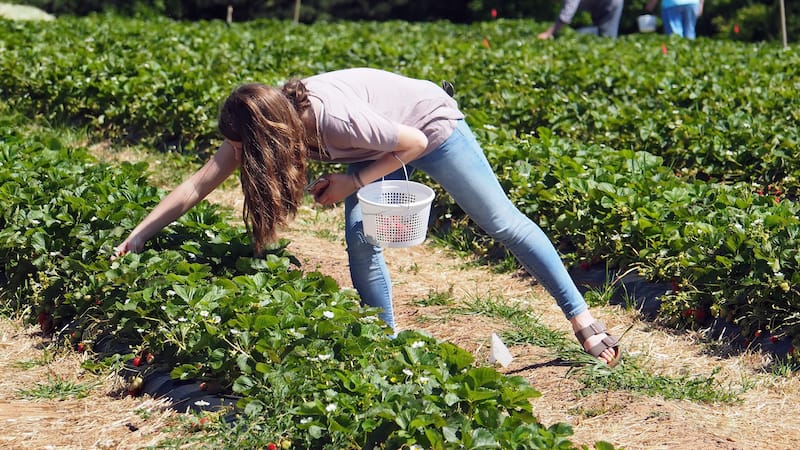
(358, 110)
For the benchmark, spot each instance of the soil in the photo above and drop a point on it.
(765, 417)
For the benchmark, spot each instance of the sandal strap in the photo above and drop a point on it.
(590, 330)
(607, 342)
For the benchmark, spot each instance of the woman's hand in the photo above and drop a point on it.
(132, 244)
(333, 188)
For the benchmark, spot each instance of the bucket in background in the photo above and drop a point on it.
(647, 23)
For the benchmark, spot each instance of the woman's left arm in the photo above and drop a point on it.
(411, 143)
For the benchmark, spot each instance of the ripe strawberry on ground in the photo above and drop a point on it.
(210, 386)
(700, 315)
(45, 320)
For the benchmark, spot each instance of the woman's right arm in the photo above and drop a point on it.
(182, 198)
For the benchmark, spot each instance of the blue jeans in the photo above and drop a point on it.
(462, 169)
(680, 20)
(606, 16)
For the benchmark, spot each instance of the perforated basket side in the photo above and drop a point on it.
(395, 213)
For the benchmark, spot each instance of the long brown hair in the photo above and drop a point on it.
(266, 120)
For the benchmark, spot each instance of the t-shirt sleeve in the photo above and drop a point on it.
(360, 128)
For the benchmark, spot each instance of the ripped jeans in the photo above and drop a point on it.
(461, 168)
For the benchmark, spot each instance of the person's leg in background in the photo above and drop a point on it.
(607, 16)
(673, 21)
(689, 14)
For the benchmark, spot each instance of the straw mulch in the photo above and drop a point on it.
(103, 419)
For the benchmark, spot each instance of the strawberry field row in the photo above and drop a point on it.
(718, 110)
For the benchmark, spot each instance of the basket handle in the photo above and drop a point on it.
(405, 172)
(401, 163)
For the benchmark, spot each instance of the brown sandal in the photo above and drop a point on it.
(607, 342)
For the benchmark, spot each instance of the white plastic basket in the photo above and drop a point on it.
(647, 23)
(395, 212)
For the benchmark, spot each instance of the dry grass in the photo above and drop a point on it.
(101, 420)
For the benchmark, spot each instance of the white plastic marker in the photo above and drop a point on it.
(500, 352)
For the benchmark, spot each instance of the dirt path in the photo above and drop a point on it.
(766, 418)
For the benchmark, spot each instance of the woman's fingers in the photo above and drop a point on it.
(131, 245)
(337, 188)
(119, 250)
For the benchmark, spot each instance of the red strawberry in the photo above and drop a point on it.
(137, 361)
(150, 357)
(736, 28)
(494, 13)
(700, 315)
(45, 322)
(200, 424)
(81, 347)
(272, 446)
(757, 333)
(773, 339)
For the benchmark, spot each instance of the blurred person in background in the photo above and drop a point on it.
(605, 17)
(679, 16)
